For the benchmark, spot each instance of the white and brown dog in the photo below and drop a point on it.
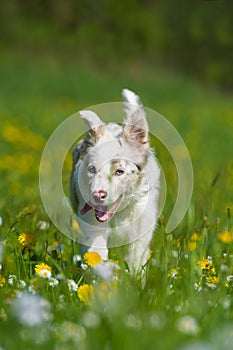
(115, 184)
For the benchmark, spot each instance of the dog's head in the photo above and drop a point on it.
(109, 168)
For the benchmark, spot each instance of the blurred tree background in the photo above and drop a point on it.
(193, 36)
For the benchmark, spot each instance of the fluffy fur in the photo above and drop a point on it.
(115, 184)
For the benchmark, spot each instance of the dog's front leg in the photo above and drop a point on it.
(138, 254)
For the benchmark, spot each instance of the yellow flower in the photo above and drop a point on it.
(194, 237)
(86, 293)
(225, 237)
(192, 245)
(92, 258)
(43, 270)
(3, 315)
(105, 290)
(2, 280)
(212, 279)
(206, 264)
(27, 239)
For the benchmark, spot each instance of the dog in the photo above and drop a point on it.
(114, 185)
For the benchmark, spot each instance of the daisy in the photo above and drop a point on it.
(72, 285)
(12, 279)
(21, 284)
(53, 282)
(77, 258)
(43, 270)
(42, 225)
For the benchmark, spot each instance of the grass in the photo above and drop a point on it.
(187, 300)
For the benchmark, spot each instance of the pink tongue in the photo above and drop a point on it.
(101, 214)
(85, 209)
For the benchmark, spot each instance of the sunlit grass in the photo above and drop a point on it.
(54, 298)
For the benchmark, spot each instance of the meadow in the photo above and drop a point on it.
(50, 297)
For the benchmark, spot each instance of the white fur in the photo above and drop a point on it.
(130, 198)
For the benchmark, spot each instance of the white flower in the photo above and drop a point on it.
(187, 325)
(53, 282)
(1, 221)
(106, 270)
(230, 278)
(90, 319)
(42, 225)
(73, 287)
(31, 310)
(133, 321)
(32, 289)
(76, 258)
(84, 266)
(12, 279)
(44, 273)
(21, 284)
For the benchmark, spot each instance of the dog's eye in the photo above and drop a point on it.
(91, 169)
(119, 172)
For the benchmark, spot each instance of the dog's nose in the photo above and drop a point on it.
(99, 196)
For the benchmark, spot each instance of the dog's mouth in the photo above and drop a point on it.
(102, 213)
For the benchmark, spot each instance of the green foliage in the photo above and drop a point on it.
(186, 302)
(195, 37)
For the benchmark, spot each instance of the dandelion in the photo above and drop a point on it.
(12, 280)
(212, 281)
(226, 237)
(104, 290)
(187, 325)
(43, 270)
(86, 293)
(27, 239)
(192, 244)
(92, 258)
(42, 225)
(53, 282)
(2, 281)
(31, 310)
(206, 264)
(72, 285)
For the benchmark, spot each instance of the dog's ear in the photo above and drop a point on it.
(96, 125)
(135, 127)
